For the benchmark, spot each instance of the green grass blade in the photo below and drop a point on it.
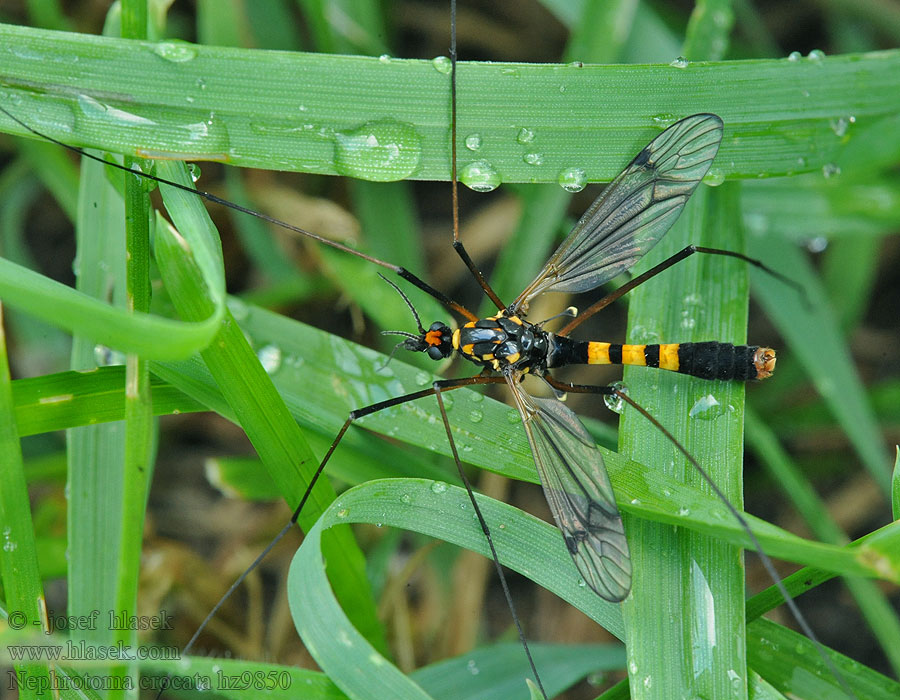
(688, 593)
(793, 665)
(158, 98)
(23, 593)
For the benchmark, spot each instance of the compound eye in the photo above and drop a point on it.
(437, 326)
(434, 352)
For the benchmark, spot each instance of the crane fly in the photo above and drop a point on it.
(624, 222)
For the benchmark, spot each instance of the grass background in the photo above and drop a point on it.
(829, 123)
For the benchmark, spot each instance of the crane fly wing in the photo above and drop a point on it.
(578, 492)
(634, 211)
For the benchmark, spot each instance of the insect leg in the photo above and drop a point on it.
(665, 265)
(438, 387)
(454, 187)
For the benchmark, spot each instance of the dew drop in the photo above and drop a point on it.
(512, 417)
(794, 56)
(423, 378)
(525, 136)
(707, 408)
(380, 151)
(195, 172)
(830, 170)
(840, 125)
(615, 403)
(479, 176)
(476, 416)
(442, 64)
(438, 487)
(664, 119)
(405, 498)
(572, 179)
(174, 51)
(816, 55)
(714, 177)
(533, 158)
(448, 401)
(472, 667)
(473, 142)
(684, 511)
(384, 58)
(679, 62)
(476, 397)
(817, 244)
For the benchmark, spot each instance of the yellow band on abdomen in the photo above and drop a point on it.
(598, 353)
(633, 355)
(668, 356)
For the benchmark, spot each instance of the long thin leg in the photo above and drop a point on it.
(401, 271)
(437, 386)
(665, 265)
(445, 385)
(766, 561)
(454, 187)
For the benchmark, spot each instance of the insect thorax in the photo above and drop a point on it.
(503, 341)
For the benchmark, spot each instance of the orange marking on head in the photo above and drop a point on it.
(433, 337)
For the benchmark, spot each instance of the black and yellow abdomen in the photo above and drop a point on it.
(707, 360)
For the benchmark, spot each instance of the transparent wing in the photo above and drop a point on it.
(578, 491)
(634, 211)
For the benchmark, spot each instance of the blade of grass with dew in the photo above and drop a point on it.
(688, 604)
(156, 98)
